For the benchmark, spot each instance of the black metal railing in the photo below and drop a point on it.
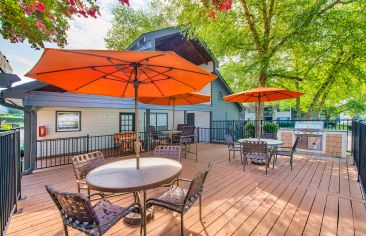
(359, 149)
(56, 152)
(10, 176)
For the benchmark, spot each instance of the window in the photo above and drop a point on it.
(67, 121)
(126, 122)
(158, 120)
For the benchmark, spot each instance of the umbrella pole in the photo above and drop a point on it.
(173, 113)
(259, 128)
(137, 142)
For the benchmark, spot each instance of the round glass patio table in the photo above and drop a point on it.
(270, 142)
(273, 143)
(122, 176)
(170, 133)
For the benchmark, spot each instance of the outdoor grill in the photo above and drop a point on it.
(310, 133)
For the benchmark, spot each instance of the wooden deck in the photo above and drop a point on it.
(317, 197)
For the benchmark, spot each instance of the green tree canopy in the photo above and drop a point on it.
(313, 46)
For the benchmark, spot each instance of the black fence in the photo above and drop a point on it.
(57, 152)
(10, 176)
(359, 149)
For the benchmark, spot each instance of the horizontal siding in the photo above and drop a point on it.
(222, 110)
(105, 121)
(47, 99)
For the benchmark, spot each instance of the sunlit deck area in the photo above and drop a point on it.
(318, 197)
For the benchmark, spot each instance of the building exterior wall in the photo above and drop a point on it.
(222, 110)
(105, 121)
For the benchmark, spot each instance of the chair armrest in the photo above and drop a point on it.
(162, 201)
(96, 194)
(183, 180)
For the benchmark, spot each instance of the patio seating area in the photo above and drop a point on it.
(319, 196)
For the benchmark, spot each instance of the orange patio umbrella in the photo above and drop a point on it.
(262, 94)
(180, 99)
(120, 74)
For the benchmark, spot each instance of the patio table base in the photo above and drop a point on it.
(259, 162)
(135, 218)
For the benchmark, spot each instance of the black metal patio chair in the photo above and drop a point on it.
(258, 152)
(288, 151)
(233, 148)
(77, 211)
(180, 200)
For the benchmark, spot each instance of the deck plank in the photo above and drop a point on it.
(304, 201)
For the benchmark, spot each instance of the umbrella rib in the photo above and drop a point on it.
(285, 94)
(147, 58)
(111, 74)
(153, 82)
(94, 55)
(128, 81)
(159, 73)
(173, 79)
(187, 100)
(175, 68)
(77, 68)
(94, 80)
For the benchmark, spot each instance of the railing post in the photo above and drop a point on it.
(87, 143)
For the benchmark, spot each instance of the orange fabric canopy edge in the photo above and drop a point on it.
(180, 99)
(110, 73)
(265, 94)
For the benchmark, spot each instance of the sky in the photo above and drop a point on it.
(84, 33)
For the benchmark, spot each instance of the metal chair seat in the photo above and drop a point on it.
(172, 199)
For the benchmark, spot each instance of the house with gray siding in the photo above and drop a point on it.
(53, 108)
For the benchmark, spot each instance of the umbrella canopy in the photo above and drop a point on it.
(180, 99)
(120, 74)
(115, 73)
(262, 94)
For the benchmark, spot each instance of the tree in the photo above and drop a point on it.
(40, 21)
(129, 24)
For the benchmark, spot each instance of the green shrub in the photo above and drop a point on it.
(270, 127)
(249, 129)
(286, 124)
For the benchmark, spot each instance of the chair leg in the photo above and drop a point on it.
(181, 225)
(78, 185)
(229, 156)
(88, 190)
(291, 161)
(200, 205)
(66, 231)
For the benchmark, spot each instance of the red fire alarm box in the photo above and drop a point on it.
(42, 131)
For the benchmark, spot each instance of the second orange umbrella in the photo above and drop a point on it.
(180, 99)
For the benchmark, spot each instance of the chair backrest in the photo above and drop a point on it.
(118, 137)
(84, 163)
(171, 152)
(196, 187)
(229, 140)
(255, 147)
(269, 135)
(295, 144)
(153, 132)
(188, 130)
(180, 126)
(75, 209)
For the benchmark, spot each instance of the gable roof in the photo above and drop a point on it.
(153, 41)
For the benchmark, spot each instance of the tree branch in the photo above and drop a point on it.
(251, 25)
(287, 76)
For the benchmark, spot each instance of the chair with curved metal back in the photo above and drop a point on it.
(257, 151)
(179, 199)
(288, 151)
(77, 211)
(83, 164)
(156, 136)
(233, 148)
(172, 152)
